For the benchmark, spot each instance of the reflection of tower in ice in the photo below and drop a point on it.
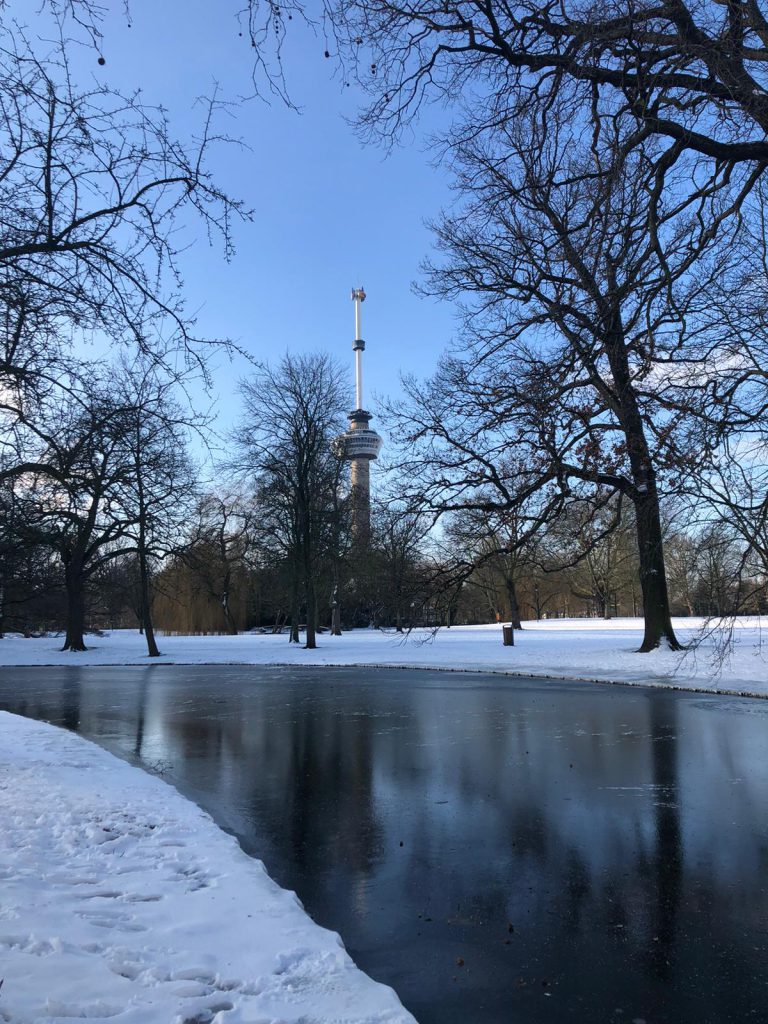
(361, 444)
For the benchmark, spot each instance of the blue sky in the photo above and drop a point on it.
(330, 213)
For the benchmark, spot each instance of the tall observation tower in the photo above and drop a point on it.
(361, 444)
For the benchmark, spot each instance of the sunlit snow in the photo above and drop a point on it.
(604, 650)
(122, 901)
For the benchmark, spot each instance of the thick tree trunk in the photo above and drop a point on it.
(149, 635)
(335, 612)
(293, 632)
(75, 586)
(144, 595)
(653, 580)
(229, 623)
(146, 604)
(514, 607)
(308, 566)
(311, 613)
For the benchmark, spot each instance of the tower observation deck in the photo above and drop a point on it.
(360, 444)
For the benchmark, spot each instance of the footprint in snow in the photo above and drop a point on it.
(111, 919)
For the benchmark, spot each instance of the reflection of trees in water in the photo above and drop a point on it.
(668, 867)
(141, 711)
(329, 792)
(600, 880)
(578, 892)
(562, 817)
(54, 696)
(530, 826)
(300, 769)
(70, 699)
(200, 738)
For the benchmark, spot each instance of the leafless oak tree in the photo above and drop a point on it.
(689, 71)
(592, 352)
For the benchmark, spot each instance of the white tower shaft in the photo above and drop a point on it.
(360, 443)
(358, 379)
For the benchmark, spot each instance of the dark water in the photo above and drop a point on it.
(497, 850)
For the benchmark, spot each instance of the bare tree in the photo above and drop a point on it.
(598, 552)
(690, 74)
(398, 536)
(719, 576)
(263, 27)
(491, 543)
(157, 494)
(30, 579)
(735, 486)
(93, 192)
(216, 550)
(70, 500)
(584, 336)
(285, 443)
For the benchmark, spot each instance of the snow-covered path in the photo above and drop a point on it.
(590, 649)
(123, 902)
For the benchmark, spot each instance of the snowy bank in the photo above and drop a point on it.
(590, 649)
(123, 901)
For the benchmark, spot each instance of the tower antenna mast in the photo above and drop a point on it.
(358, 297)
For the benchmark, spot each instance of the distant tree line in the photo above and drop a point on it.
(129, 537)
(570, 571)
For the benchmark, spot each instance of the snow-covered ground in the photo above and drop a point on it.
(556, 648)
(122, 901)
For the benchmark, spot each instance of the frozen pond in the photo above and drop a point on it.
(497, 850)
